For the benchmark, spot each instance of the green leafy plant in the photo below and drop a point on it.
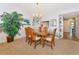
(11, 23)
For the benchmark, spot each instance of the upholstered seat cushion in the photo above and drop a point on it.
(29, 36)
(38, 38)
(48, 38)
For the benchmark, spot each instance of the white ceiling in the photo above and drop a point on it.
(52, 8)
(71, 14)
(46, 9)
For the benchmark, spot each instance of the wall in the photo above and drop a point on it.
(77, 27)
(66, 26)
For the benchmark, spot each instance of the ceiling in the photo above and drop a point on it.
(46, 9)
(71, 14)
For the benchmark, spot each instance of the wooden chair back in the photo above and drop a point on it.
(29, 32)
(53, 35)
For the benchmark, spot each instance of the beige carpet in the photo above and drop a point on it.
(20, 47)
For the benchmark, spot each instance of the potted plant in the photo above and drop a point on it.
(11, 24)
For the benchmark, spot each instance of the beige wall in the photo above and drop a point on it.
(66, 26)
(77, 27)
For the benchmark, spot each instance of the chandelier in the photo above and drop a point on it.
(36, 14)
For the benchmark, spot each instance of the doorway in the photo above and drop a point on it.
(69, 28)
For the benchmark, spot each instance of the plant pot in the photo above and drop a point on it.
(10, 39)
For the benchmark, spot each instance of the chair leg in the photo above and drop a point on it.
(43, 43)
(28, 41)
(51, 46)
(34, 44)
(54, 43)
(27, 38)
(31, 43)
(40, 42)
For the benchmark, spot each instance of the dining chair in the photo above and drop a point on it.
(50, 39)
(33, 38)
(28, 36)
(43, 29)
(26, 31)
